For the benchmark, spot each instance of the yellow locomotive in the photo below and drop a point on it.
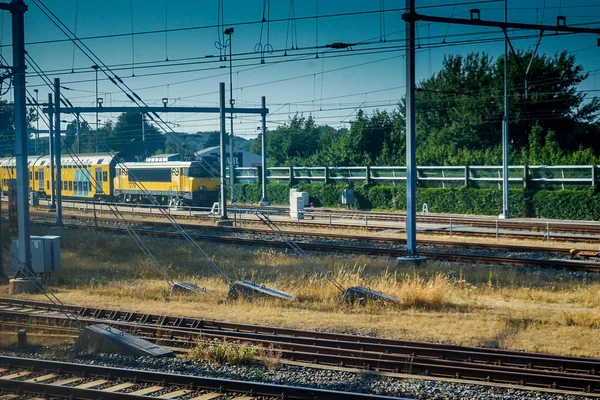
(171, 182)
(100, 175)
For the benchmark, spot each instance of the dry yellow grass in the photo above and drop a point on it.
(9, 339)
(477, 306)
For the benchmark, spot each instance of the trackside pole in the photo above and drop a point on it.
(222, 153)
(57, 152)
(264, 201)
(412, 253)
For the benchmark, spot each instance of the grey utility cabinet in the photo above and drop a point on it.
(45, 254)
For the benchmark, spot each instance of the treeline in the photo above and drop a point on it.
(459, 120)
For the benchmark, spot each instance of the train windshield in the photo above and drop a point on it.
(199, 172)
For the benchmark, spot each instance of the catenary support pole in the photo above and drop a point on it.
(57, 152)
(51, 150)
(411, 166)
(263, 154)
(37, 120)
(78, 138)
(17, 10)
(505, 210)
(231, 104)
(222, 152)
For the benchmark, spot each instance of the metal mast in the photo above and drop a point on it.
(505, 210)
(17, 9)
(411, 162)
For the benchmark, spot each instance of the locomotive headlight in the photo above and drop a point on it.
(202, 188)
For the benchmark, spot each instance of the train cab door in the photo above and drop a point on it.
(98, 179)
(40, 176)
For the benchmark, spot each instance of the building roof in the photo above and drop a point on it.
(164, 157)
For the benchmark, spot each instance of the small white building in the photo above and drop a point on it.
(164, 157)
(242, 158)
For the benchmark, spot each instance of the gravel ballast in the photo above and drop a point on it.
(295, 376)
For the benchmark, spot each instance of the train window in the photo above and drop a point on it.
(70, 185)
(37, 175)
(65, 185)
(150, 175)
(30, 175)
(48, 185)
(104, 176)
(85, 186)
(199, 172)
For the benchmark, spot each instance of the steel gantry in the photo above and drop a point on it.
(411, 17)
(221, 110)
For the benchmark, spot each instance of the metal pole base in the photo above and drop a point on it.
(264, 203)
(503, 216)
(416, 260)
(224, 222)
(24, 285)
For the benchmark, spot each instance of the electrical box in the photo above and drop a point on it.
(295, 193)
(45, 254)
(347, 196)
(305, 198)
(297, 208)
(34, 199)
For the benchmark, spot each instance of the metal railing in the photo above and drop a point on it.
(528, 176)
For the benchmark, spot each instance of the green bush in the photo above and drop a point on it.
(564, 204)
(567, 204)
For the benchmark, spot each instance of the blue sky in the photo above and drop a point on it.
(330, 87)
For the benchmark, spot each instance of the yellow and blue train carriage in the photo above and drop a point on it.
(99, 176)
(87, 176)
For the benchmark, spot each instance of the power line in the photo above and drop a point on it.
(255, 22)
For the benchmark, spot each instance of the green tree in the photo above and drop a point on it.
(7, 130)
(293, 142)
(127, 137)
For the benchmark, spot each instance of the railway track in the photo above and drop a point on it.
(323, 235)
(474, 221)
(47, 379)
(110, 225)
(344, 219)
(359, 352)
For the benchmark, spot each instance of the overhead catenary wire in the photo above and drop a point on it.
(154, 117)
(255, 22)
(259, 213)
(75, 30)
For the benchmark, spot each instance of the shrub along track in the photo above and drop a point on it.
(227, 235)
(472, 364)
(48, 379)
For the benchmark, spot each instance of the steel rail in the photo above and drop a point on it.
(139, 378)
(346, 237)
(403, 363)
(32, 310)
(573, 265)
(357, 354)
(577, 230)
